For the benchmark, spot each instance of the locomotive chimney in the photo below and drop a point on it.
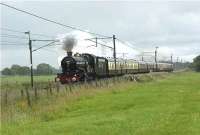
(69, 54)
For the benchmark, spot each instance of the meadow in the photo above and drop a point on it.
(25, 79)
(158, 104)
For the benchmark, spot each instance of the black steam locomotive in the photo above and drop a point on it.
(83, 67)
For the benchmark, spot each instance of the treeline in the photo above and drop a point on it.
(180, 65)
(196, 63)
(46, 69)
(41, 69)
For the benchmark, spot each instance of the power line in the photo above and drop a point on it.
(96, 38)
(99, 38)
(48, 50)
(19, 37)
(49, 44)
(12, 36)
(11, 30)
(125, 43)
(42, 35)
(15, 43)
(11, 42)
(48, 20)
(100, 43)
(16, 31)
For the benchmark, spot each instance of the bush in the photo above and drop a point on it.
(196, 63)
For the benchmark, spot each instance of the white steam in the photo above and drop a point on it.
(76, 41)
(68, 41)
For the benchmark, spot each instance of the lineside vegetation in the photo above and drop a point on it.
(158, 103)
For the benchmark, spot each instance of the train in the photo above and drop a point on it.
(86, 67)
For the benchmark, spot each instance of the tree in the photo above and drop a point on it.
(6, 71)
(20, 70)
(196, 63)
(15, 69)
(24, 71)
(44, 69)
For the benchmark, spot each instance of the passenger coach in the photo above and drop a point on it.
(82, 67)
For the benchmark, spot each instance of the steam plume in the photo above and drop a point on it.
(68, 41)
(76, 40)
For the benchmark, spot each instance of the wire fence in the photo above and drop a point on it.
(10, 94)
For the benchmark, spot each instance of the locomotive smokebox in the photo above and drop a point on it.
(69, 54)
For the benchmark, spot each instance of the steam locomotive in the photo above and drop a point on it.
(84, 67)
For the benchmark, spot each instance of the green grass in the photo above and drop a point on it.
(18, 82)
(169, 106)
(26, 79)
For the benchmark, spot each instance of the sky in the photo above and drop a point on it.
(172, 26)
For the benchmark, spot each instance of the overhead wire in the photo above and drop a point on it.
(44, 46)
(52, 21)
(48, 50)
(12, 44)
(68, 26)
(11, 36)
(17, 31)
(61, 24)
(2, 41)
(100, 44)
(125, 43)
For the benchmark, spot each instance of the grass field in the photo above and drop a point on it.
(17, 82)
(26, 79)
(166, 106)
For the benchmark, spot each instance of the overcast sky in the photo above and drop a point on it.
(173, 26)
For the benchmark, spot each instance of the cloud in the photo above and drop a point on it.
(173, 26)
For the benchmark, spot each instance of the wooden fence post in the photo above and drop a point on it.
(6, 97)
(66, 88)
(22, 93)
(47, 89)
(57, 87)
(113, 80)
(28, 97)
(70, 87)
(96, 83)
(35, 92)
(50, 88)
(6, 93)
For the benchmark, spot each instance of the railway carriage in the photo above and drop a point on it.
(142, 67)
(165, 67)
(120, 67)
(132, 66)
(101, 67)
(150, 66)
(83, 67)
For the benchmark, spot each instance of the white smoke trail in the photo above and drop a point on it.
(73, 41)
(69, 43)
(81, 45)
